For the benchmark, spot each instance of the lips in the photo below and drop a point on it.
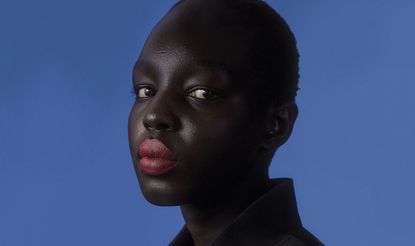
(155, 158)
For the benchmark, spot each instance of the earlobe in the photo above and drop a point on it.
(280, 124)
(287, 114)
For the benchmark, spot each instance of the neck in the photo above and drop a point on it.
(207, 218)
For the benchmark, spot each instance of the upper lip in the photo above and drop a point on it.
(154, 148)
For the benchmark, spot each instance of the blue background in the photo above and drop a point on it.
(65, 79)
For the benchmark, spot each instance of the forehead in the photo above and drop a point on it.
(208, 35)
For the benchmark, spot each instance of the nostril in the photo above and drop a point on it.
(147, 126)
(160, 121)
(160, 126)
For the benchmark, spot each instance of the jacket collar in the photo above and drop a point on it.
(265, 221)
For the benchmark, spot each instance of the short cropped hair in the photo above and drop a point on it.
(273, 53)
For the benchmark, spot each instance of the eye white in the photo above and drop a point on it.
(144, 92)
(201, 94)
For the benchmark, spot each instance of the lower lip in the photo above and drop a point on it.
(155, 166)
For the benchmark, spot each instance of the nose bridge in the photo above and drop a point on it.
(160, 113)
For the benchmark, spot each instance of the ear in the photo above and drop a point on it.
(280, 123)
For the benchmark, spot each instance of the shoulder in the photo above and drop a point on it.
(290, 240)
(295, 239)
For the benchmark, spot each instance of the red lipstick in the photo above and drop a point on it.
(155, 158)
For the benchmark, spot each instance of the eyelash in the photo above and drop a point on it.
(213, 92)
(135, 91)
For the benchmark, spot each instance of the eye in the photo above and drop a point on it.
(145, 92)
(203, 94)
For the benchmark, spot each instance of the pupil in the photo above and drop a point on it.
(206, 94)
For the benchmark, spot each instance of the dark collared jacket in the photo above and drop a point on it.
(272, 220)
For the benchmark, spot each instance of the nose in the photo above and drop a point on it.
(159, 115)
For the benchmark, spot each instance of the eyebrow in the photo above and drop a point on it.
(143, 63)
(145, 67)
(148, 66)
(149, 69)
(214, 65)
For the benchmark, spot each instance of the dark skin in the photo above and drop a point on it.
(189, 99)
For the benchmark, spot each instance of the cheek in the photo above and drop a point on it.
(132, 122)
(218, 152)
(135, 128)
(213, 142)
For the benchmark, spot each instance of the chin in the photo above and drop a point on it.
(162, 194)
(161, 200)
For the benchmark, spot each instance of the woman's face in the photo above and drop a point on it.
(188, 100)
